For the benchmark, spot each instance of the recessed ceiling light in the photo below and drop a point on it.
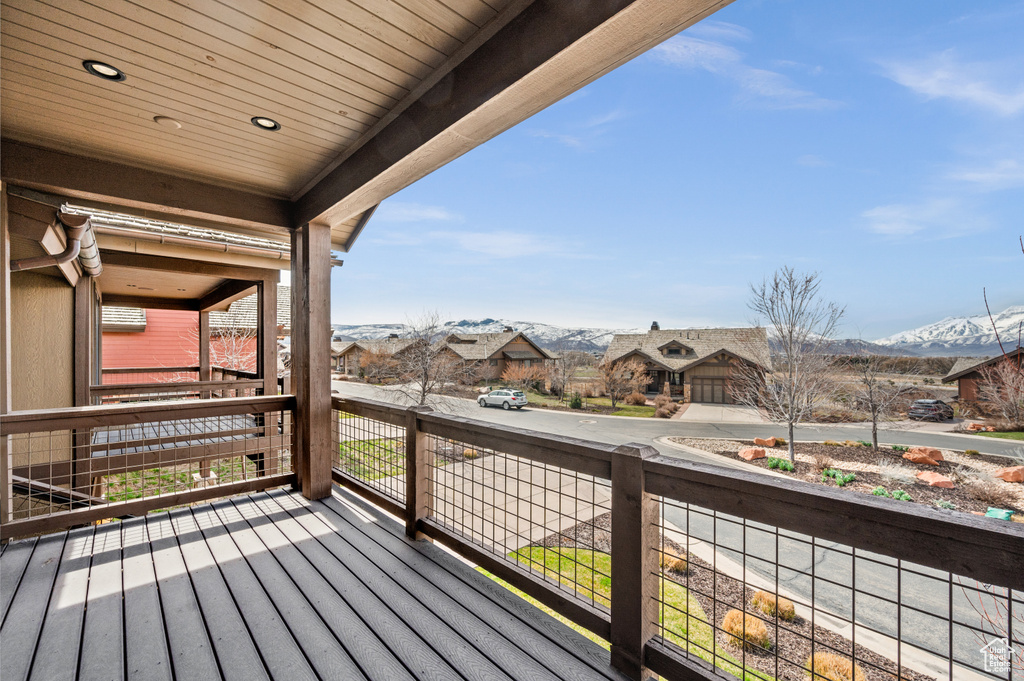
(105, 71)
(167, 122)
(265, 123)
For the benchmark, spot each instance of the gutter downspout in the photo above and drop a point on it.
(75, 228)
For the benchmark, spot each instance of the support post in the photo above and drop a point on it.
(419, 472)
(204, 348)
(634, 608)
(82, 367)
(266, 337)
(6, 491)
(311, 358)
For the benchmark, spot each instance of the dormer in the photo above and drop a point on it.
(674, 349)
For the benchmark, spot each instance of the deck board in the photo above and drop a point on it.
(15, 562)
(270, 586)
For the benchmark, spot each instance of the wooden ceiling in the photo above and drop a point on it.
(362, 90)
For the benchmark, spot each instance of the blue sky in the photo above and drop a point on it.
(878, 143)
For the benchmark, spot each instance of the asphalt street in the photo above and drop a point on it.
(789, 557)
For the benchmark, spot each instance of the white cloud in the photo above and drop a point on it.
(719, 30)
(1004, 174)
(944, 76)
(584, 134)
(396, 211)
(757, 85)
(497, 244)
(936, 218)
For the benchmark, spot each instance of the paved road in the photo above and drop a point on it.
(833, 565)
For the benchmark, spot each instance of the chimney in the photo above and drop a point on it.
(393, 335)
(655, 327)
(508, 329)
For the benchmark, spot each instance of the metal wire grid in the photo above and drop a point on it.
(154, 375)
(888, 618)
(372, 452)
(186, 392)
(56, 471)
(555, 521)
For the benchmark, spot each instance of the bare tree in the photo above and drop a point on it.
(621, 378)
(1002, 387)
(378, 364)
(427, 368)
(873, 389)
(565, 368)
(800, 326)
(521, 376)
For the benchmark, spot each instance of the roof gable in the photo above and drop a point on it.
(749, 344)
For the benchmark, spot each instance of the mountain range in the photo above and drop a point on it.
(952, 336)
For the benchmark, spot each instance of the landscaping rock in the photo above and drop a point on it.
(751, 453)
(975, 427)
(935, 479)
(926, 455)
(1011, 474)
(764, 441)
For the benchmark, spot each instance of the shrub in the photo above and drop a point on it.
(822, 461)
(900, 495)
(746, 630)
(768, 603)
(880, 492)
(662, 413)
(671, 561)
(971, 452)
(948, 505)
(853, 443)
(894, 471)
(832, 443)
(900, 448)
(863, 443)
(780, 442)
(832, 667)
(782, 464)
(576, 401)
(470, 454)
(661, 400)
(637, 399)
(989, 490)
(841, 479)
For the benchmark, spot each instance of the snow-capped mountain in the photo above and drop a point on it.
(545, 335)
(960, 335)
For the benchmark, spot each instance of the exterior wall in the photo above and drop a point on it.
(968, 387)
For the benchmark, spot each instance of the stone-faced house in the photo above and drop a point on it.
(492, 353)
(345, 356)
(697, 363)
(968, 372)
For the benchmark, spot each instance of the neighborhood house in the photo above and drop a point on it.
(696, 363)
(969, 373)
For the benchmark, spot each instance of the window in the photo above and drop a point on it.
(528, 362)
(674, 351)
(494, 362)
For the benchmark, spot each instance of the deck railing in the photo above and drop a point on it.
(84, 464)
(146, 384)
(652, 553)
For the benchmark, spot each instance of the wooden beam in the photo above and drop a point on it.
(497, 86)
(164, 264)
(266, 335)
(311, 358)
(6, 500)
(204, 346)
(360, 226)
(121, 300)
(80, 177)
(226, 293)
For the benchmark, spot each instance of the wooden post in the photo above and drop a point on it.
(266, 360)
(82, 342)
(634, 609)
(204, 348)
(311, 358)
(419, 472)
(6, 492)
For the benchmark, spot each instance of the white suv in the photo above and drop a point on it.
(505, 397)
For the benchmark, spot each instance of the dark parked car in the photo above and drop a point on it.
(930, 410)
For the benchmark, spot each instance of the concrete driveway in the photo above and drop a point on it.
(719, 413)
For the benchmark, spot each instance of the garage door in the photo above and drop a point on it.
(709, 390)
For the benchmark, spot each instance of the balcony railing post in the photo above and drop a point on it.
(419, 471)
(634, 608)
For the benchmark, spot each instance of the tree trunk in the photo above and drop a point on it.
(874, 434)
(792, 445)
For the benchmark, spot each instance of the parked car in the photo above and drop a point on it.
(930, 410)
(506, 398)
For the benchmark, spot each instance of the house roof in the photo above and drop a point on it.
(480, 346)
(243, 313)
(124, 319)
(967, 365)
(750, 344)
(384, 345)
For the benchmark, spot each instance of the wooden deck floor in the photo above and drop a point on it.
(268, 586)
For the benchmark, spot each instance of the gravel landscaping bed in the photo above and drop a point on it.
(974, 488)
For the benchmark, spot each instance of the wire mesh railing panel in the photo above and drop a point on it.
(105, 466)
(150, 375)
(757, 601)
(188, 390)
(553, 521)
(371, 451)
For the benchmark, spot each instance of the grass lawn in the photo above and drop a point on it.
(372, 459)
(1012, 435)
(622, 409)
(153, 481)
(589, 573)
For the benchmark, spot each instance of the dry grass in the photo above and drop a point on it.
(896, 472)
(823, 461)
(989, 490)
(833, 668)
(637, 399)
(746, 630)
(769, 603)
(671, 561)
(662, 400)
(470, 454)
